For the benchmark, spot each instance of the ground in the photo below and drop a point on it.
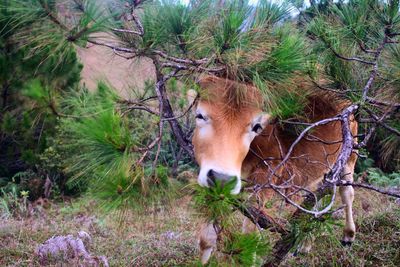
(102, 64)
(166, 236)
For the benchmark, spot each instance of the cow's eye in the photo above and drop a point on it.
(200, 117)
(257, 128)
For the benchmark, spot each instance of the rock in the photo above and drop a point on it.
(66, 248)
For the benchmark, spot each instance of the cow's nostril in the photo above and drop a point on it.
(211, 174)
(211, 178)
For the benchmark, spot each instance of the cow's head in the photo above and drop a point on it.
(228, 118)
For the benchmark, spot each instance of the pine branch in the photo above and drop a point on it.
(79, 34)
(330, 89)
(381, 122)
(138, 24)
(167, 111)
(52, 17)
(126, 31)
(260, 219)
(180, 60)
(114, 47)
(350, 58)
(291, 149)
(382, 103)
(374, 70)
(133, 17)
(215, 71)
(184, 113)
(389, 192)
(344, 57)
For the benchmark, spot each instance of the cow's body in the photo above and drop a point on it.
(233, 135)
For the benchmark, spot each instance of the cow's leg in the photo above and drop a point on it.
(347, 195)
(207, 241)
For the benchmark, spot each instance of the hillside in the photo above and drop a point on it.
(100, 63)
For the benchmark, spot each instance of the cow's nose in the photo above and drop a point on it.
(213, 177)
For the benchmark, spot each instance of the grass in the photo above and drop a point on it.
(377, 239)
(162, 238)
(166, 236)
(377, 244)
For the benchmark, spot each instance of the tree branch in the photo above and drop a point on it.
(126, 31)
(114, 47)
(382, 103)
(180, 60)
(350, 58)
(52, 17)
(379, 121)
(390, 192)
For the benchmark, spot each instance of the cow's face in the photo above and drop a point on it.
(223, 134)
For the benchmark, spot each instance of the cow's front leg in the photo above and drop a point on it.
(207, 241)
(347, 195)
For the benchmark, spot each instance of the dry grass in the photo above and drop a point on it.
(377, 240)
(167, 237)
(100, 63)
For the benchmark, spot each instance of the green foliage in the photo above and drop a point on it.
(101, 136)
(246, 249)
(247, 40)
(104, 137)
(260, 45)
(119, 192)
(376, 243)
(216, 202)
(389, 151)
(362, 164)
(349, 29)
(339, 71)
(31, 18)
(252, 42)
(381, 179)
(162, 173)
(384, 150)
(60, 132)
(227, 35)
(218, 205)
(34, 73)
(305, 229)
(93, 19)
(100, 147)
(284, 104)
(287, 56)
(13, 203)
(355, 29)
(270, 12)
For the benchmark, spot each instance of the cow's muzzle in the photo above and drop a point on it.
(213, 177)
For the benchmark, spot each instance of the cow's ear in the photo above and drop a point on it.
(191, 96)
(260, 122)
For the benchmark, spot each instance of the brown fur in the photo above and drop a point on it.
(231, 106)
(231, 97)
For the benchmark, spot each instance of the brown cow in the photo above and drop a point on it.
(230, 123)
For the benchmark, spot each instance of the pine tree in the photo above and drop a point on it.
(348, 48)
(358, 46)
(31, 86)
